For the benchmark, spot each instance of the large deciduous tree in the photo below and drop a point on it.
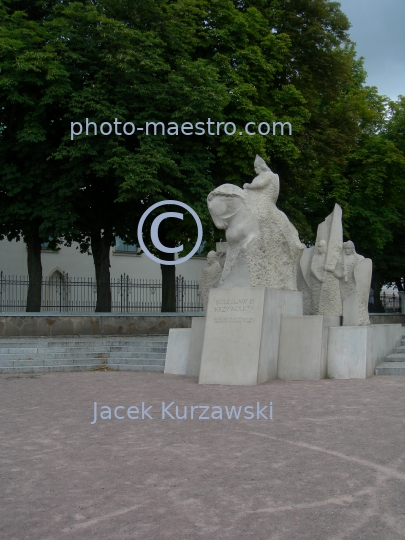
(33, 81)
(162, 61)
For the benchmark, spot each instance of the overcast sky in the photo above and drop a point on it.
(378, 29)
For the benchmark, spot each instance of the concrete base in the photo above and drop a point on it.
(241, 340)
(85, 324)
(278, 303)
(328, 321)
(351, 312)
(177, 351)
(300, 356)
(355, 351)
(196, 346)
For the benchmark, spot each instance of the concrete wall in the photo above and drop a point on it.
(100, 324)
(387, 318)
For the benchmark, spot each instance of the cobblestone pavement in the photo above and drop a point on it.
(330, 465)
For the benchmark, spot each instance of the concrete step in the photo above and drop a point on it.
(82, 353)
(81, 361)
(390, 368)
(146, 353)
(6, 347)
(67, 341)
(83, 367)
(395, 357)
(130, 367)
(46, 369)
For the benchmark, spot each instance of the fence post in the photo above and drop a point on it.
(67, 292)
(402, 301)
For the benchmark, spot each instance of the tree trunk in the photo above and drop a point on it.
(100, 248)
(376, 284)
(33, 244)
(168, 283)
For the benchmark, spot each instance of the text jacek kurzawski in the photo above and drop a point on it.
(171, 411)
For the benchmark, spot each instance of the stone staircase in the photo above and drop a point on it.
(394, 363)
(44, 354)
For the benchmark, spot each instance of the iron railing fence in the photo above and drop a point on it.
(391, 302)
(62, 293)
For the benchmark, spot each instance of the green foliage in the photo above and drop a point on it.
(189, 60)
(376, 171)
(32, 83)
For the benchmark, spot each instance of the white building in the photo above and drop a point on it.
(124, 259)
(69, 280)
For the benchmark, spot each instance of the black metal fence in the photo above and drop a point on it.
(391, 302)
(62, 293)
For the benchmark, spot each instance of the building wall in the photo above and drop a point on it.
(13, 261)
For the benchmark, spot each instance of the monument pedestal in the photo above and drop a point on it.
(196, 345)
(303, 354)
(242, 333)
(355, 351)
(300, 357)
(177, 351)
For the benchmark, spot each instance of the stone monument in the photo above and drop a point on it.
(229, 211)
(258, 283)
(255, 328)
(209, 277)
(321, 289)
(354, 274)
(280, 247)
(221, 248)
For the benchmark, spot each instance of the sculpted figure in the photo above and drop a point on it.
(209, 277)
(281, 248)
(221, 252)
(354, 274)
(228, 210)
(318, 273)
(320, 289)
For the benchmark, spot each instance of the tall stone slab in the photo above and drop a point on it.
(177, 351)
(355, 306)
(242, 332)
(331, 232)
(196, 345)
(301, 356)
(304, 279)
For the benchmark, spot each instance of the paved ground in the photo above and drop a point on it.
(329, 466)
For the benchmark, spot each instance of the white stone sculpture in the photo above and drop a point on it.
(281, 248)
(304, 280)
(229, 211)
(321, 293)
(209, 277)
(263, 246)
(354, 274)
(221, 248)
(318, 273)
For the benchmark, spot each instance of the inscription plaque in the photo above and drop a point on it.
(242, 334)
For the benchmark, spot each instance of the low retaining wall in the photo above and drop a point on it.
(47, 324)
(387, 318)
(91, 324)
